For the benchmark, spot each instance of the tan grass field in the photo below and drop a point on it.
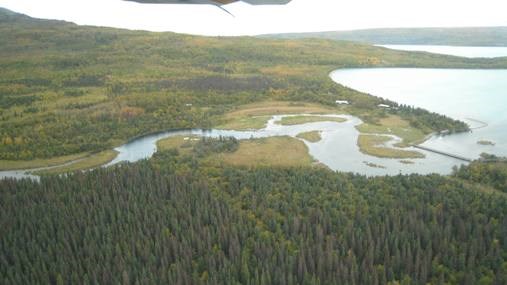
(396, 126)
(297, 120)
(177, 142)
(313, 136)
(38, 163)
(274, 151)
(89, 162)
(369, 144)
(255, 115)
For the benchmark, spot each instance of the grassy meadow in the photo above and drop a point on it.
(374, 145)
(313, 136)
(297, 120)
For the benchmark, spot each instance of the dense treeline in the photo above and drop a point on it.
(493, 174)
(429, 121)
(66, 89)
(206, 146)
(177, 219)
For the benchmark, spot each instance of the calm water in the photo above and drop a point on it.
(475, 96)
(478, 97)
(338, 148)
(488, 52)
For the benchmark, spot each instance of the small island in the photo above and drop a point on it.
(374, 165)
(485, 142)
(375, 145)
(313, 136)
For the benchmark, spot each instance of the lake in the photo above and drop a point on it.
(471, 52)
(478, 97)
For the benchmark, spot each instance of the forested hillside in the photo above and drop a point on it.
(67, 89)
(182, 219)
(473, 36)
(185, 217)
(493, 174)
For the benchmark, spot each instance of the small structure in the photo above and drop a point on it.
(384, 106)
(342, 102)
(188, 105)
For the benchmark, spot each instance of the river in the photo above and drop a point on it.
(479, 97)
(337, 149)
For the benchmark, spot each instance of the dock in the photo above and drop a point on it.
(443, 153)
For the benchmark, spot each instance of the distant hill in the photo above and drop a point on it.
(8, 17)
(478, 36)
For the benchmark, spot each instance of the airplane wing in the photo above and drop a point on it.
(213, 2)
(266, 2)
(217, 3)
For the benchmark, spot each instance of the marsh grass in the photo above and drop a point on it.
(313, 136)
(372, 145)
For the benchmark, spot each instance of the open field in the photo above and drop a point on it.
(297, 120)
(394, 125)
(279, 107)
(274, 151)
(256, 115)
(245, 123)
(369, 144)
(38, 163)
(89, 162)
(313, 136)
(183, 144)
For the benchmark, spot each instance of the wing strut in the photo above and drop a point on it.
(216, 3)
(223, 9)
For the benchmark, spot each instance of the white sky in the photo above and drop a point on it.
(297, 16)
